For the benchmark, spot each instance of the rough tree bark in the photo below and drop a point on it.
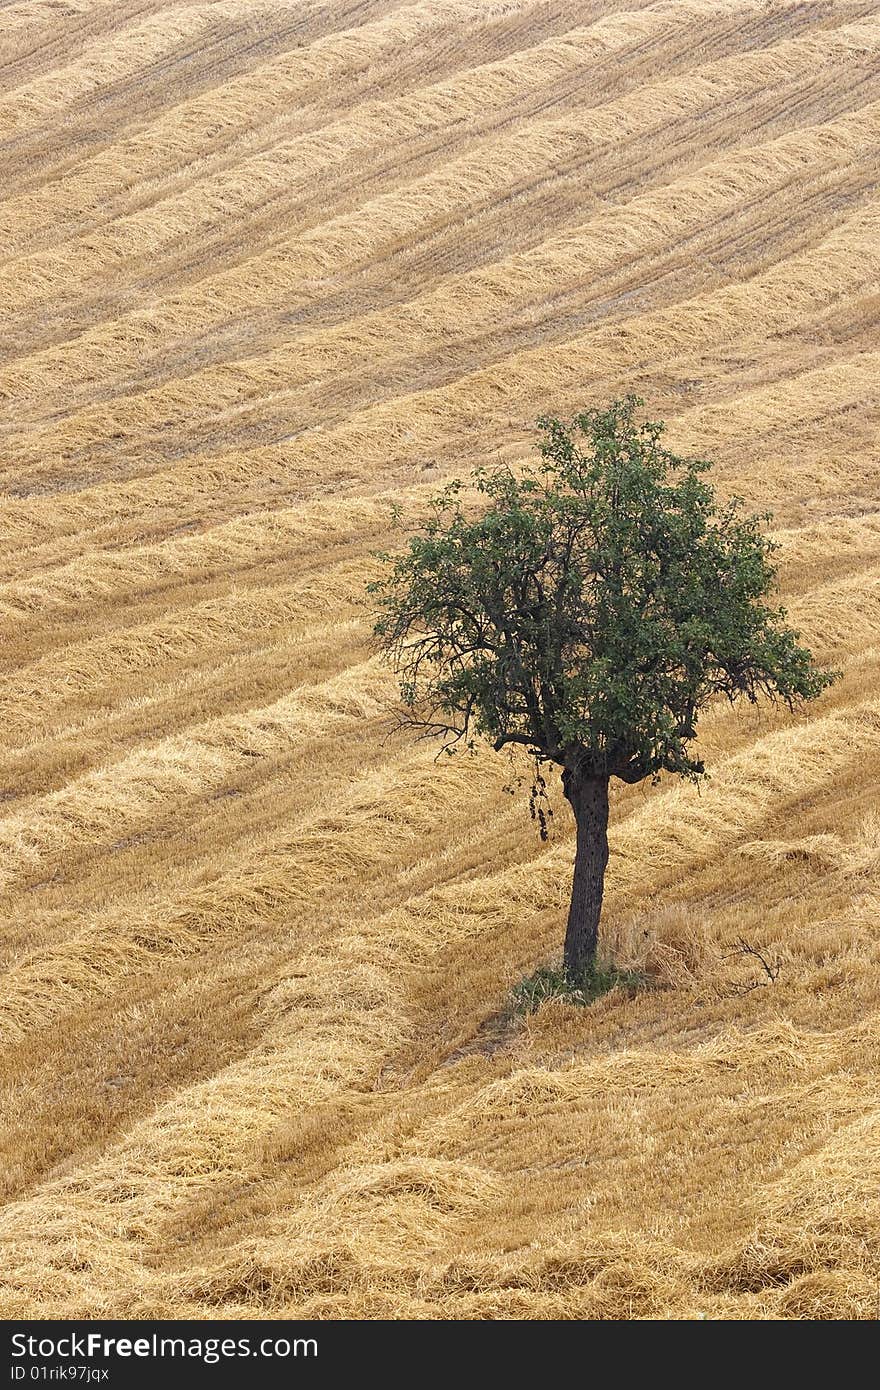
(589, 801)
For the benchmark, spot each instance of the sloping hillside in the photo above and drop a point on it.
(268, 267)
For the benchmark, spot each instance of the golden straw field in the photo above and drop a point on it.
(270, 268)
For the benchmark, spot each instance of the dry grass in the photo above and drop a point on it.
(255, 1049)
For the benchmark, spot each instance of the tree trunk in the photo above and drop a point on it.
(589, 801)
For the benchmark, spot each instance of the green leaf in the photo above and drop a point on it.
(589, 606)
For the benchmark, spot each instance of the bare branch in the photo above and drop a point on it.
(771, 969)
(526, 740)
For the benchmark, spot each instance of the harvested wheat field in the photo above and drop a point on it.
(269, 268)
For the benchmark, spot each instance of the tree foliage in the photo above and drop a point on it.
(588, 606)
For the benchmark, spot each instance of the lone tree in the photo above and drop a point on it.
(588, 611)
